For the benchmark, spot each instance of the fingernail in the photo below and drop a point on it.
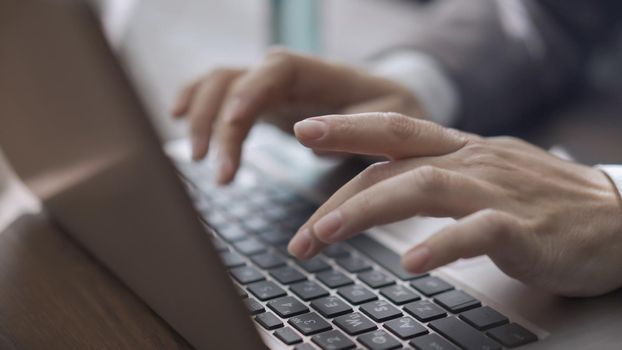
(225, 168)
(300, 246)
(327, 228)
(198, 147)
(417, 259)
(310, 130)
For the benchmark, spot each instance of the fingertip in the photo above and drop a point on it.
(310, 130)
(301, 245)
(200, 147)
(417, 259)
(226, 170)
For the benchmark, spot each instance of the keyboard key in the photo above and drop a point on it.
(331, 306)
(232, 233)
(241, 292)
(305, 346)
(313, 265)
(356, 294)
(246, 274)
(431, 285)
(376, 279)
(274, 237)
(250, 246)
(355, 323)
(266, 290)
(463, 335)
(382, 255)
(335, 251)
(456, 301)
(379, 340)
(309, 323)
(333, 340)
(399, 294)
(406, 327)
(353, 264)
(512, 335)
(484, 318)
(287, 307)
(380, 310)
(333, 279)
(253, 306)
(287, 275)
(268, 261)
(432, 342)
(268, 321)
(256, 224)
(288, 336)
(230, 259)
(308, 290)
(425, 310)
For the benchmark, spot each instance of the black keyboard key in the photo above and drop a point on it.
(268, 321)
(335, 251)
(275, 237)
(353, 264)
(331, 306)
(219, 245)
(355, 323)
(512, 335)
(382, 255)
(250, 246)
(463, 335)
(230, 259)
(308, 290)
(309, 323)
(313, 265)
(357, 294)
(283, 250)
(456, 301)
(484, 318)
(305, 346)
(432, 342)
(376, 279)
(268, 261)
(287, 307)
(288, 336)
(246, 274)
(256, 224)
(232, 233)
(241, 292)
(379, 340)
(380, 310)
(333, 340)
(253, 306)
(399, 294)
(431, 285)
(266, 290)
(406, 327)
(287, 275)
(333, 279)
(425, 310)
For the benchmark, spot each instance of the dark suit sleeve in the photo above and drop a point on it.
(510, 60)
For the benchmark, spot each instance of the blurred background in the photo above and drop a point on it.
(165, 44)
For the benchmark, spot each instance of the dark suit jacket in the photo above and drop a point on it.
(510, 59)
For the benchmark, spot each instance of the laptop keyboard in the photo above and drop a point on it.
(353, 295)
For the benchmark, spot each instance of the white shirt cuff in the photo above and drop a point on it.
(425, 78)
(615, 174)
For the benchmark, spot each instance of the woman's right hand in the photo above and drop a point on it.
(283, 89)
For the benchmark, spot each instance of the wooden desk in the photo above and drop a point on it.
(53, 295)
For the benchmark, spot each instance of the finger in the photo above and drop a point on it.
(254, 93)
(482, 233)
(182, 102)
(206, 104)
(407, 105)
(386, 134)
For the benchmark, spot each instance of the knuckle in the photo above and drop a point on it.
(400, 126)
(429, 179)
(364, 205)
(374, 173)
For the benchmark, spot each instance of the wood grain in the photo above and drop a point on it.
(53, 295)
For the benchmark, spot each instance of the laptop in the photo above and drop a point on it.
(212, 261)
